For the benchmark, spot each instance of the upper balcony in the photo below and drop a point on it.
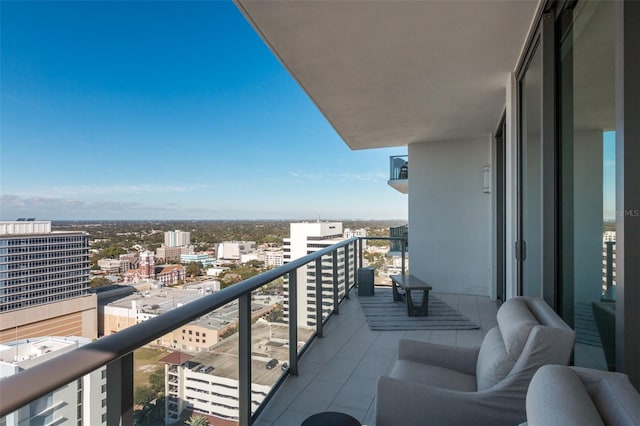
(399, 173)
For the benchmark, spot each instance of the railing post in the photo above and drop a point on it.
(360, 263)
(403, 248)
(120, 391)
(347, 283)
(319, 296)
(293, 323)
(336, 298)
(244, 359)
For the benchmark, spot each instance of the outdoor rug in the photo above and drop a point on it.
(383, 313)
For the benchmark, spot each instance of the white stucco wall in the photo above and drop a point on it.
(450, 216)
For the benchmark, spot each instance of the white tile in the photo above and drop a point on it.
(357, 393)
(316, 397)
(339, 371)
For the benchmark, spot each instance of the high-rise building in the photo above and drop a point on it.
(306, 238)
(44, 282)
(88, 394)
(177, 238)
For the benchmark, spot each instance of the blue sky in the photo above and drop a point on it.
(609, 175)
(167, 110)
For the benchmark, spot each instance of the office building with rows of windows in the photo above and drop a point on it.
(44, 282)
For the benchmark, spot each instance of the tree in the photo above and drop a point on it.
(196, 420)
(156, 380)
(99, 282)
(142, 395)
(113, 252)
(193, 269)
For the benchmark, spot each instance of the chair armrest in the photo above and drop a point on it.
(407, 403)
(452, 357)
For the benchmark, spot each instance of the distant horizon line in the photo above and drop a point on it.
(212, 220)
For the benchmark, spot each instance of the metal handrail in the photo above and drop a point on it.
(26, 386)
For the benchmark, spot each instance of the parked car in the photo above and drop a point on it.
(271, 364)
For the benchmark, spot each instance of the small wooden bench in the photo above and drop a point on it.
(409, 283)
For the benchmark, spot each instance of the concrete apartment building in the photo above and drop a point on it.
(177, 238)
(232, 250)
(168, 254)
(175, 244)
(207, 383)
(272, 258)
(306, 238)
(81, 402)
(44, 280)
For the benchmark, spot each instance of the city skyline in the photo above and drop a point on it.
(167, 111)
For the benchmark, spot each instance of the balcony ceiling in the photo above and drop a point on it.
(392, 73)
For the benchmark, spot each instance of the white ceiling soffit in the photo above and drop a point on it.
(390, 73)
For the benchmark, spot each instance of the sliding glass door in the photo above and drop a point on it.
(529, 246)
(587, 180)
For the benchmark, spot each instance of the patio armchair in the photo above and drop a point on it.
(433, 384)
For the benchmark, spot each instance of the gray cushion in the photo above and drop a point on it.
(617, 400)
(515, 321)
(493, 361)
(556, 396)
(426, 374)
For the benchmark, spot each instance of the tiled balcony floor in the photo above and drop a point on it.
(339, 371)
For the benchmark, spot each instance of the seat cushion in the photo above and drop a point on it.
(557, 397)
(493, 361)
(433, 375)
(515, 321)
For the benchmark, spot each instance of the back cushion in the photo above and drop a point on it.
(493, 362)
(617, 400)
(515, 321)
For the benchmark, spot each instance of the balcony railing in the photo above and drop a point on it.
(399, 167)
(400, 241)
(116, 351)
(399, 172)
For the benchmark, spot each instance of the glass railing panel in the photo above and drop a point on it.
(201, 367)
(197, 366)
(399, 167)
(82, 401)
(269, 346)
